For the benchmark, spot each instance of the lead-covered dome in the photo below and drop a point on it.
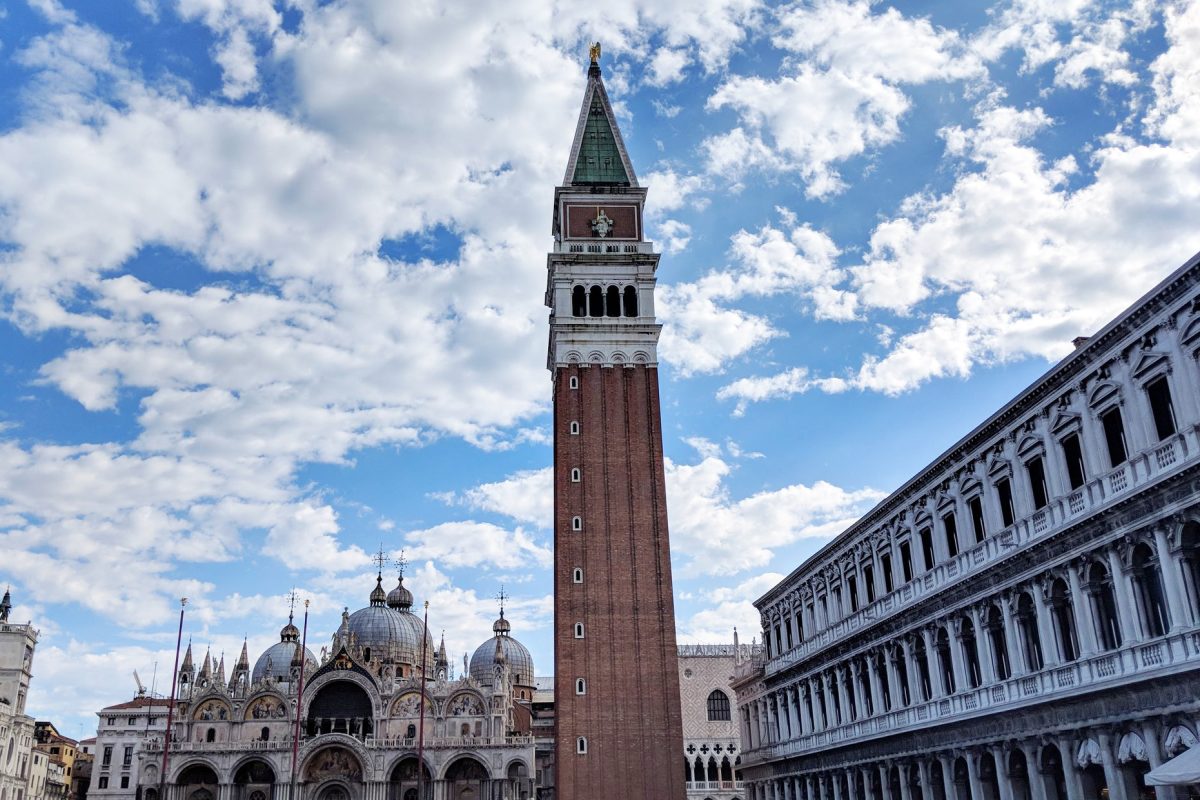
(276, 661)
(516, 656)
(391, 634)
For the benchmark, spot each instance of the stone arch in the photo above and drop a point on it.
(466, 703)
(460, 766)
(266, 706)
(641, 357)
(408, 705)
(595, 357)
(212, 709)
(1178, 739)
(1088, 754)
(342, 706)
(179, 769)
(521, 767)
(1132, 748)
(332, 762)
(253, 770)
(619, 357)
(574, 357)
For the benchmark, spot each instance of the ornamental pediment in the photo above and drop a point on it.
(1029, 446)
(1064, 423)
(1104, 393)
(1148, 362)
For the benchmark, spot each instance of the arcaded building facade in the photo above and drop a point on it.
(1021, 619)
(712, 741)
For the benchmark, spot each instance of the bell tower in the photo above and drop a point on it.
(618, 726)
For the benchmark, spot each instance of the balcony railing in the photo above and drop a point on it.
(1146, 467)
(431, 743)
(713, 786)
(1140, 659)
(594, 247)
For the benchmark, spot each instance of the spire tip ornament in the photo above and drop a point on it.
(594, 52)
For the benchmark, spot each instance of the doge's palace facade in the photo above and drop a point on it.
(1021, 619)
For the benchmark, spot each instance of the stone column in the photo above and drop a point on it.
(957, 662)
(915, 695)
(1085, 625)
(865, 773)
(1131, 629)
(885, 784)
(1045, 625)
(973, 776)
(1155, 752)
(1177, 605)
(933, 665)
(1112, 772)
(905, 789)
(837, 786)
(818, 702)
(1003, 781)
(793, 697)
(830, 708)
(948, 786)
(982, 648)
(925, 780)
(894, 691)
(807, 721)
(873, 677)
(860, 706)
(1068, 751)
(1037, 781)
(839, 675)
(1016, 647)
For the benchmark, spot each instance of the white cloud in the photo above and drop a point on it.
(477, 544)
(674, 235)
(841, 97)
(526, 496)
(666, 66)
(703, 332)
(784, 384)
(731, 607)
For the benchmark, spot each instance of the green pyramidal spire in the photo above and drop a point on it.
(598, 154)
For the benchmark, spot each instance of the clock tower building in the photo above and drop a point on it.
(617, 712)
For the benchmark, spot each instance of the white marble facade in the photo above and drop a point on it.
(1021, 619)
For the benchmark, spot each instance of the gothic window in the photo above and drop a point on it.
(1036, 469)
(1004, 495)
(596, 302)
(578, 630)
(576, 523)
(574, 428)
(631, 301)
(577, 576)
(579, 302)
(1073, 455)
(718, 706)
(612, 302)
(1104, 605)
(1161, 407)
(1114, 436)
(975, 504)
(951, 528)
(1148, 583)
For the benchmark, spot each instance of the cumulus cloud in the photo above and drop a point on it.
(477, 544)
(842, 96)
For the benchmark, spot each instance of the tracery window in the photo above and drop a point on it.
(718, 706)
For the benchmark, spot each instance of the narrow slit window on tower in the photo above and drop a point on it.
(578, 630)
(1073, 454)
(576, 523)
(577, 575)
(1159, 393)
(576, 475)
(574, 382)
(574, 428)
(579, 302)
(596, 302)
(631, 304)
(581, 745)
(612, 302)
(580, 686)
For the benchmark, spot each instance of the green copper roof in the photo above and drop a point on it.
(599, 160)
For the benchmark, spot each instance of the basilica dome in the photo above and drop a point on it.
(390, 632)
(276, 660)
(516, 655)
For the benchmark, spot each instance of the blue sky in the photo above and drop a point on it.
(271, 280)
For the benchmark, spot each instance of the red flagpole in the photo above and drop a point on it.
(421, 728)
(170, 702)
(299, 696)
